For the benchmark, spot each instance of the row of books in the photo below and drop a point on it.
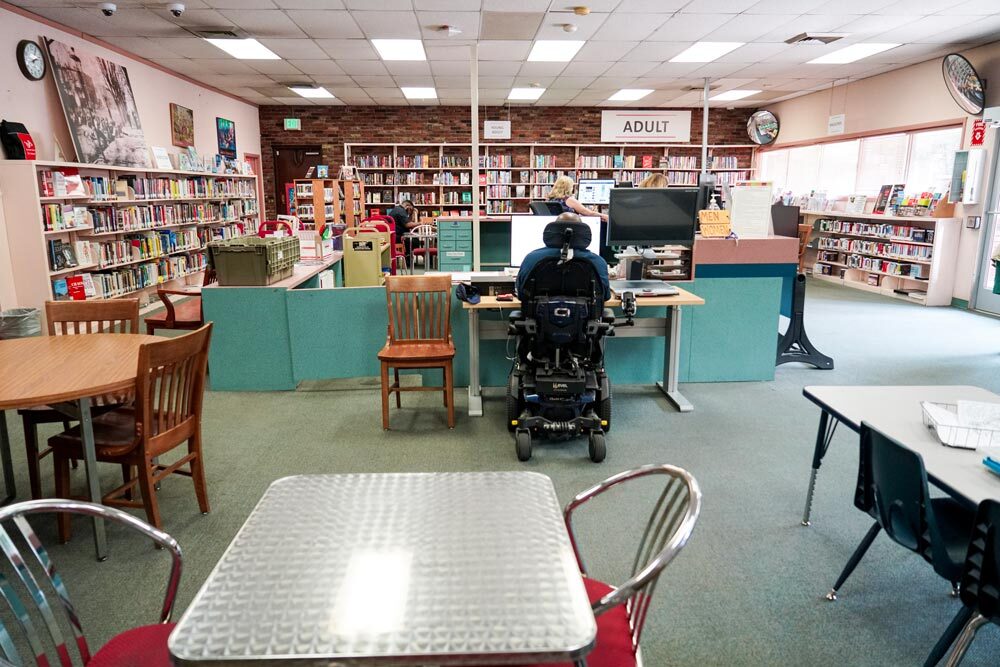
(496, 161)
(147, 246)
(723, 162)
(682, 162)
(126, 280)
(500, 206)
(372, 161)
(448, 178)
(545, 161)
(599, 161)
(501, 191)
(136, 218)
(549, 176)
(414, 161)
(732, 177)
(58, 217)
(457, 198)
(877, 229)
(455, 161)
(889, 250)
(229, 231)
(425, 197)
(308, 211)
(682, 177)
(379, 197)
(882, 266)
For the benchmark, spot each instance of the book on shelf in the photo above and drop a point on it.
(619, 161)
(647, 161)
(61, 255)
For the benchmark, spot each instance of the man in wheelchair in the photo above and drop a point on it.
(558, 386)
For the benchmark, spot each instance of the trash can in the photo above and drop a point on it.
(20, 323)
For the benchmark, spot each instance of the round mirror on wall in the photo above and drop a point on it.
(762, 127)
(963, 83)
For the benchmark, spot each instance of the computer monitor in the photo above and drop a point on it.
(625, 184)
(526, 234)
(785, 220)
(652, 216)
(595, 190)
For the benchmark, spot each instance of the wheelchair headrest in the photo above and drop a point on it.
(567, 231)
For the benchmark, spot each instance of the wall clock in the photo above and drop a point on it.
(31, 60)
(964, 83)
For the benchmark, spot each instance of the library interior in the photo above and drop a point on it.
(407, 262)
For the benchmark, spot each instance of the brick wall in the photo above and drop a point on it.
(333, 126)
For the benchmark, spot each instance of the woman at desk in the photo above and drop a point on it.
(562, 194)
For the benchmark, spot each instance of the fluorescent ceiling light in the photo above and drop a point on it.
(400, 49)
(244, 49)
(554, 50)
(705, 52)
(731, 95)
(630, 94)
(412, 93)
(312, 91)
(525, 93)
(849, 54)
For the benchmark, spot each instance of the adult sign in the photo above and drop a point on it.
(646, 127)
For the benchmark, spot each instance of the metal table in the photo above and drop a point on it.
(426, 242)
(394, 569)
(896, 412)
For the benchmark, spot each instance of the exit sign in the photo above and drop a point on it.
(293, 123)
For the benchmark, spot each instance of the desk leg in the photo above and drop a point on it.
(90, 465)
(8, 464)
(672, 361)
(475, 390)
(823, 437)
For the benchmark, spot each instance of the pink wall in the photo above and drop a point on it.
(912, 96)
(36, 104)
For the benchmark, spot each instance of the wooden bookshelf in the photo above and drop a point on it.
(516, 173)
(907, 257)
(139, 237)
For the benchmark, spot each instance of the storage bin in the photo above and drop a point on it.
(254, 261)
(20, 323)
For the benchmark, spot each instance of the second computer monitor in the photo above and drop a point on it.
(595, 190)
(652, 216)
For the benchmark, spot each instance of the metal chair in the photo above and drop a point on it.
(980, 585)
(427, 236)
(47, 640)
(621, 611)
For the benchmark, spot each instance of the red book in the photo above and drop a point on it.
(647, 161)
(75, 288)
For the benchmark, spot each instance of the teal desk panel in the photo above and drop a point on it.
(494, 243)
(250, 348)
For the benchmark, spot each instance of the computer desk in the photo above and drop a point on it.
(645, 327)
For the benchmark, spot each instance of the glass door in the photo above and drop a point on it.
(986, 298)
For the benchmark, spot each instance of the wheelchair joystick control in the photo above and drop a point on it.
(628, 308)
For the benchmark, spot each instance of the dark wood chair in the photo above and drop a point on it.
(169, 389)
(185, 315)
(419, 336)
(66, 318)
(805, 231)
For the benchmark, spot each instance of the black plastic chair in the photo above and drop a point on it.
(545, 208)
(980, 586)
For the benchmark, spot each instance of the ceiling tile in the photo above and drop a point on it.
(552, 25)
(240, 4)
(452, 81)
(689, 27)
(746, 28)
(378, 5)
(504, 49)
(363, 67)
(348, 49)
(602, 51)
(498, 67)
(655, 51)
(451, 68)
(430, 22)
(918, 7)
(541, 69)
(446, 5)
(294, 101)
(264, 22)
(552, 94)
(337, 80)
(388, 24)
(571, 83)
(144, 47)
(193, 17)
(628, 27)
(927, 28)
(585, 69)
(755, 52)
(516, 5)
(454, 93)
(318, 67)
(849, 6)
(650, 6)
(531, 81)
(226, 66)
(807, 23)
(391, 92)
(278, 66)
(295, 49)
(717, 6)
(975, 7)
(630, 69)
(787, 7)
(495, 82)
(375, 81)
(982, 31)
(323, 23)
(436, 50)
(414, 81)
(309, 4)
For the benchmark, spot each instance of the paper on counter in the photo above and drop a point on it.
(977, 414)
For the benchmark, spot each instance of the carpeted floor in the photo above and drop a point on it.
(748, 589)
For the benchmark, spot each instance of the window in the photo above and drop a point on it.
(882, 162)
(803, 169)
(774, 168)
(931, 157)
(838, 166)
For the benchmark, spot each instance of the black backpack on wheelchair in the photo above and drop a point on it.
(558, 387)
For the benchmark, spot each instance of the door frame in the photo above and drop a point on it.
(257, 165)
(988, 223)
(274, 162)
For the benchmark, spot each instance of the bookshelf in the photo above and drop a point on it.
(511, 175)
(102, 231)
(326, 202)
(907, 257)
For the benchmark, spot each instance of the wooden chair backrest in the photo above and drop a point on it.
(99, 316)
(170, 387)
(209, 277)
(804, 232)
(419, 308)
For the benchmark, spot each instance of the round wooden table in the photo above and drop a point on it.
(60, 371)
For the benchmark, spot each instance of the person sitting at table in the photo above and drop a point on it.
(562, 194)
(555, 250)
(404, 213)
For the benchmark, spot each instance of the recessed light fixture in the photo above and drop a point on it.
(525, 93)
(554, 50)
(312, 91)
(416, 93)
(849, 54)
(630, 94)
(400, 49)
(244, 49)
(731, 95)
(705, 52)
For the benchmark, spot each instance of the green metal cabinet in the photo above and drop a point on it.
(454, 245)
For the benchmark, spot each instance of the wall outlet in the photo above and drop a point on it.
(973, 221)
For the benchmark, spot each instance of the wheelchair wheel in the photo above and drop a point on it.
(598, 450)
(522, 442)
(513, 402)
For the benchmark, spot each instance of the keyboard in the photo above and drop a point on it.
(641, 288)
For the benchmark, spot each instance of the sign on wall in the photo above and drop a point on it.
(638, 126)
(496, 129)
(836, 123)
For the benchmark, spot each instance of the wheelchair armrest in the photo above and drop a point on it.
(608, 316)
(515, 315)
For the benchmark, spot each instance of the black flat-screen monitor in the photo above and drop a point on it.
(652, 216)
(625, 184)
(785, 220)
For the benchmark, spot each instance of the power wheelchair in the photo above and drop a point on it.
(557, 386)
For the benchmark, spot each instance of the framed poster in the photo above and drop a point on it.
(96, 97)
(226, 130)
(181, 126)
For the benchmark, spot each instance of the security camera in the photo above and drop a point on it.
(108, 8)
(176, 8)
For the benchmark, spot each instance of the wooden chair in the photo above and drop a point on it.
(66, 318)
(169, 388)
(419, 336)
(186, 315)
(805, 231)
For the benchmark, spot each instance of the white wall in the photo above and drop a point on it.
(910, 97)
(36, 103)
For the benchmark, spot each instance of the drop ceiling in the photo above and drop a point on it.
(628, 45)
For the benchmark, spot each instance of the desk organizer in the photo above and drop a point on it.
(963, 437)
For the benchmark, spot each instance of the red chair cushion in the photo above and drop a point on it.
(614, 641)
(144, 646)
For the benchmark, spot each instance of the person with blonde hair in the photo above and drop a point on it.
(654, 180)
(562, 194)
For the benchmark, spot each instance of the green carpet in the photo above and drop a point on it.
(747, 590)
